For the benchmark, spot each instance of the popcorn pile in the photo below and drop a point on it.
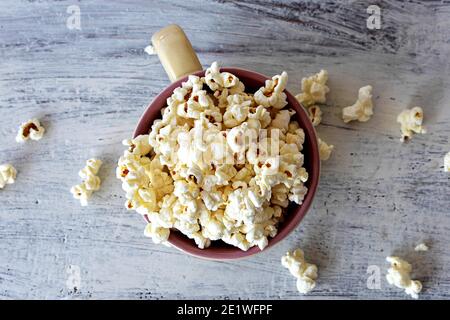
(399, 276)
(306, 273)
(91, 182)
(221, 164)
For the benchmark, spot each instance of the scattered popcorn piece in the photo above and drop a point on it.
(91, 182)
(399, 276)
(315, 115)
(447, 162)
(324, 149)
(150, 50)
(314, 89)
(7, 174)
(220, 164)
(31, 129)
(362, 110)
(411, 122)
(421, 247)
(306, 273)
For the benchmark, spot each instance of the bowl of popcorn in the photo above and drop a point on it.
(224, 162)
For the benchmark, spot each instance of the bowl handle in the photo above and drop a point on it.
(175, 52)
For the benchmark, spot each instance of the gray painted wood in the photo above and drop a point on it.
(89, 87)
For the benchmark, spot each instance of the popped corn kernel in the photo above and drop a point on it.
(7, 174)
(411, 122)
(447, 162)
(421, 247)
(362, 109)
(31, 129)
(91, 182)
(314, 89)
(324, 150)
(306, 273)
(158, 234)
(399, 276)
(272, 95)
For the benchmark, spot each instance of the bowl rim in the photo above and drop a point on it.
(178, 240)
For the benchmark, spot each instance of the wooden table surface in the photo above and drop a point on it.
(376, 196)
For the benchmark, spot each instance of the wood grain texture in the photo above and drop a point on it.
(89, 87)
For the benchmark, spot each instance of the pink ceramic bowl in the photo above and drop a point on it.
(295, 213)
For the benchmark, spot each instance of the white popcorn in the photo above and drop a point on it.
(306, 273)
(7, 175)
(447, 162)
(411, 122)
(421, 247)
(91, 182)
(208, 170)
(237, 111)
(296, 137)
(158, 234)
(81, 193)
(297, 193)
(315, 115)
(272, 95)
(217, 80)
(324, 150)
(362, 110)
(31, 129)
(139, 146)
(314, 89)
(399, 276)
(259, 118)
(282, 120)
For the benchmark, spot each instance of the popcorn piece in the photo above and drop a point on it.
(314, 89)
(411, 122)
(207, 168)
(217, 80)
(81, 193)
(362, 110)
(421, 247)
(306, 273)
(282, 119)
(272, 95)
(237, 111)
(91, 182)
(158, 234)
(31, 129)
(324, 150)
(447, 162)
(399, 276)
(315, 115)
(7, 174)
